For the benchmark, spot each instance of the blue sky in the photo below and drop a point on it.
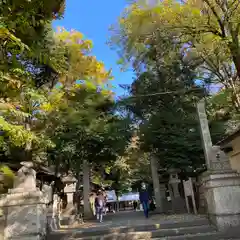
(93, 18)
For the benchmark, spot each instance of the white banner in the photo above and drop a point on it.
(129, 197)
(111, 196)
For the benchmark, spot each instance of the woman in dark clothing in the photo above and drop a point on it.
(144, 199)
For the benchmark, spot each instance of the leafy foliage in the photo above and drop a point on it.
(8, 176)
(159, 41)
(206, 32)
(88, 129)
(55, 101)
(169, 125)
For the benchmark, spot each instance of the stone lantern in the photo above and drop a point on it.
(174, 181)
(178, 203)
(69, 179)
(70, 188)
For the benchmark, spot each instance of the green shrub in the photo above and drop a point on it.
(8, 178)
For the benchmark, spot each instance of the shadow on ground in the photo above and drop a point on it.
(125, 222)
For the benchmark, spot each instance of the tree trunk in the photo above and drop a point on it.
(86, 189)
(236, 97)
(234, 48)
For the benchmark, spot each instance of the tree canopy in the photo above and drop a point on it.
(177, 51)
(57, 107)
(56, 102)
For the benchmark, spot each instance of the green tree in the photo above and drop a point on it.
(166, 45)
(34, 59)
(21, 33)
(131, 167)
(89, 135)
(169, 125)
(207, 31)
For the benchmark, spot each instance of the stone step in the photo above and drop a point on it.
(198, 236)
(162, 233)
(100, 231)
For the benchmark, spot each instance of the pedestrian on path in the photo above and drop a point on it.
(100, 204)
(135, 205)
(144, 199)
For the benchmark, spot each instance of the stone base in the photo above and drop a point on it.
(27, 237)
(179, 205)
(26, 215)
(69, 210)
(222, 194)
(166, 205)
(158, 210)
(225, 222)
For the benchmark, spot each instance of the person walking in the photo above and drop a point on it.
(99, 203)
(144, 199)
(135, 205)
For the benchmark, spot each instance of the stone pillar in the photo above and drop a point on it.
(162, 189)
(164, 201)
(156, 184)
(220, 184)
(178, 203)
(205, 133)
(25, 207)
(212, 154)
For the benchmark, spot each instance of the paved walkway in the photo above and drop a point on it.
(115, 222)
(131, 218)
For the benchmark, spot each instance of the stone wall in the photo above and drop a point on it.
(202, 203)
